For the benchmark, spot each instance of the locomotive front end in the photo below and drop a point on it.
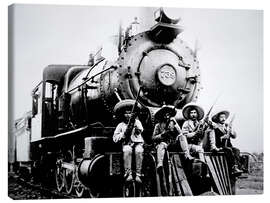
(161, 64)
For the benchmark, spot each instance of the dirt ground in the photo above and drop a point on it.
(253, 182)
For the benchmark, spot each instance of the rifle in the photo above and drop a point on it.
(229, 133)
(203, 125)
(131, 121)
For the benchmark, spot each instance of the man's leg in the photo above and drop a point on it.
(198, 149)
(127, 156)
(236, 153)
(184, 146)
(229, 155)
(212, 141)
(232, 162)
(161, 148)
(139, 158)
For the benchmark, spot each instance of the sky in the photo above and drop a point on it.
(230, 53)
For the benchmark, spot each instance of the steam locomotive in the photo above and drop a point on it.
(72, 121)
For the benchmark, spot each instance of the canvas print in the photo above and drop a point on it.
(134, 102)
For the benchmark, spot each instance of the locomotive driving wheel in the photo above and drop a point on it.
(79, 190)
(59, 175)
(69, 172)
(78, 186)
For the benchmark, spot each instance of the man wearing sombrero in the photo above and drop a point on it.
(219, 140)
(193, 114)
(123, 110)
(167, 134)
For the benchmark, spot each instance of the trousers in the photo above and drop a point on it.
(232, 155)
(180, 143)
(197, 149)
(127, 156)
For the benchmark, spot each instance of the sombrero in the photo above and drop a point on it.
(164, 110)
(216, 115)
(188, 107)
(125, 104)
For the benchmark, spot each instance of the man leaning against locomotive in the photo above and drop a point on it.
(168, 135)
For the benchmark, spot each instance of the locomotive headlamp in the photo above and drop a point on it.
(166, 75)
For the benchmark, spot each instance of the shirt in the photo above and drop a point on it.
(158, 135)
(121, 128)
(188, 129)
(221, 130)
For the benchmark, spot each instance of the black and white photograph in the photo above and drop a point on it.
(117, 101)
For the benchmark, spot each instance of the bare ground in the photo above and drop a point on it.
(253, 183)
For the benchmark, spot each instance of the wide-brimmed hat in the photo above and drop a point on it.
(159, 115)
(190, 106)
(123, 105)
(216, 115)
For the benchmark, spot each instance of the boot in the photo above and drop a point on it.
(212, 142)
(188, 157)
(138, 172)
(201, 157)
(184, 147)
(215, 150)
(138, 178)
(128, 175)
(139, 160)
(236, 171)
(160, 155)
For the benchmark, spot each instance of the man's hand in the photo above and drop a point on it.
(133, 114)
(175, 125)
(225, 137)
(118, 137)
(164, 134)
(199, 133)
(229, 129)
(216, 149)
(137, 131)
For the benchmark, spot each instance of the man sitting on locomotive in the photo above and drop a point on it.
(167, 134)
(218, 139)
(191, 128)
(123, 110)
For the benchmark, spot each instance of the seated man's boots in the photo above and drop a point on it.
(128, 175)
(138, 178)
(236, 171)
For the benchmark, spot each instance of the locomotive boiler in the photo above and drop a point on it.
(157, 60)
(73, 122)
